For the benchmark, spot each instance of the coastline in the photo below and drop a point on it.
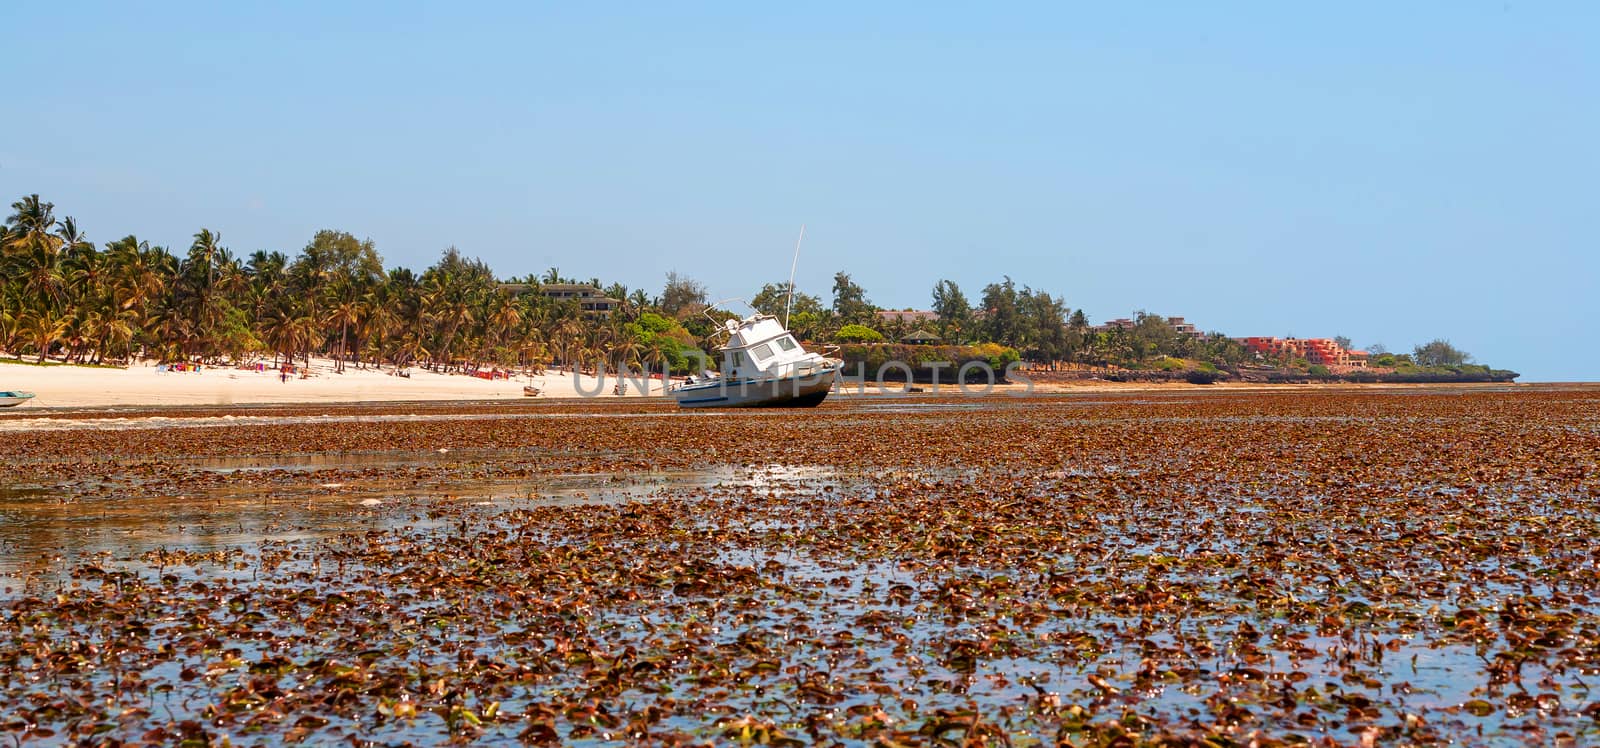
(145, 385)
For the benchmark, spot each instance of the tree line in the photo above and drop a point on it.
(1040, 326)
(63, 296)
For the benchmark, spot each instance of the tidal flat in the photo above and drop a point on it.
(1321, 565)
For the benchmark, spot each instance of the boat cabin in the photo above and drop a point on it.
(759, 348)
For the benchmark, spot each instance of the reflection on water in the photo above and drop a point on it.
(108, 420)
(21, 493)
(45, 530)
(335, 460)
(190, 422)
(916, 407)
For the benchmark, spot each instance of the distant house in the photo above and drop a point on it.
(1182, 327)
(1323, 351)
(1116, 324)
(922, 336)
(1178, 325)
(909, 316)
(591, 300)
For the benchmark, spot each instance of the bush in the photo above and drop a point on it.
(866, 359)
(997, 356)
(1201, 376)
(676, 342)
(1168, 363)
(1318, 370)
(858, 334)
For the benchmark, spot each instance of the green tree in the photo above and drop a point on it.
(850, 301)
(42, 328)
(1152, 336)
(955, 312)
(1045, 324)
(32, 250)
(1439, 352)
(774, 297)
(1002, 321)
(1078, 335)
(683, 296)
(858, 334)
(454, 293)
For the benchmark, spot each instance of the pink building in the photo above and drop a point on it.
(1323, 351)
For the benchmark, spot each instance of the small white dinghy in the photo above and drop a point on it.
(762, 366)
(14, 398)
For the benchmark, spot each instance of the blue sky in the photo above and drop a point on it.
(1391, 172)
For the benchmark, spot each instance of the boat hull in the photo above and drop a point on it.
(806, 391)
(13, 399)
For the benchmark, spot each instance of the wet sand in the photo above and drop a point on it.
(1320, 564)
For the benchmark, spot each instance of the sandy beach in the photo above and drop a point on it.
(148, 384)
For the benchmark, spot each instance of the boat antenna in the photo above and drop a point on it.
(789, 303)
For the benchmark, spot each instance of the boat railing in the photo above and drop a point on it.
(722, 329)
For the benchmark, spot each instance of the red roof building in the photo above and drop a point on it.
(1323, 351)
(909, 316)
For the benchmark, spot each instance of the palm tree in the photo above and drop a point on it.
(141, 279)
(11, 332)
(87, 276)
(205, 248)
(282, 332)
(31, 227)
(42, 279)
(72, 239)
(570, 336)
(265, 282)
(410, 347)
(42, 328)
(503, 319)
(532, 349)
(379, 320)
(451, 311)
(344, 314)
(655, 356)
(98, 331)
(626, 354)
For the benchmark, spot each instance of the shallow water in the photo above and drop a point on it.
(853, 629)
(45, 530)
(1316, 569)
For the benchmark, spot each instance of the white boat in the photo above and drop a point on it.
(14, 398)
(762, 366)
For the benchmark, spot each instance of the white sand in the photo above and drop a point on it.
(143, 384)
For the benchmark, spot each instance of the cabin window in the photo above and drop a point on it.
(787, 343)
(761, 352)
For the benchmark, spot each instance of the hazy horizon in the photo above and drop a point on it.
(1392, 174)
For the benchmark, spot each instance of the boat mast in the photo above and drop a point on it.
(787, 304)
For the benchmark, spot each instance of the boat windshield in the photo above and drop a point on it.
(786, 343)
(761, 352)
